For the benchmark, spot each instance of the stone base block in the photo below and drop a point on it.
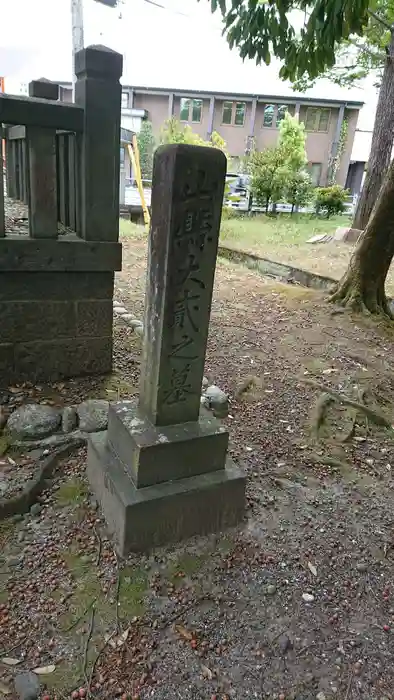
(347, 235)
(153, 454)
(141, 519)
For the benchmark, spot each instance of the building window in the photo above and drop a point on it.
(268, 115)
(125, 100)
(196, 111)
(227, 115)
(234, 113)
(185, 109)
(122, 157)
(314, 170)
(281, 113)
(240, 110)
(191, 110)
(317, 119)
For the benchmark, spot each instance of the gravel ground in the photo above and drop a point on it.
(294, 604)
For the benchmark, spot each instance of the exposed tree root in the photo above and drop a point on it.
(373, 415)
(330, 461)
(320, 412)
(348, 294)
(350, 433)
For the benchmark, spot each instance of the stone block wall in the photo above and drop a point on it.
(56, 323)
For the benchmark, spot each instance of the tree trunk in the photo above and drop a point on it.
(362, 286)
(381, 146)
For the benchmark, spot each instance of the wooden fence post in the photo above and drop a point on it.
(98, 91)
(2, 213)
(10, 166)
(41, 157)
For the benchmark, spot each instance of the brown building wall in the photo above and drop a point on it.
(156, 106)
(235, 136)
(319, 143)
(201, 127)
(351, 115)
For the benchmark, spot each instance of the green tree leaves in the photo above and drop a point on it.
(261, 29)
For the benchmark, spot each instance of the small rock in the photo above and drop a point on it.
(285, 644)
(120, 310)
(132, 322)
(139, 329)
(4, 396)
(27, 686)
(362, 566)
(69, 419)
(320, 696)
(271, 589)
(93, 415)
(13, 561)
(205, 383)
(17, 518)
(33, 421)
(204, 402)
(308, 597)
(218, 401)
(36, 509)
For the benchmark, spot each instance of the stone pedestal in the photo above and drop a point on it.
(161, 472)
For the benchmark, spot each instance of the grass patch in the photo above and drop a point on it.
(261, 232)
(71, 492)
(127, 228)
(132, 591)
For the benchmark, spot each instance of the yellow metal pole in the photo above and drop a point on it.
(135, 159)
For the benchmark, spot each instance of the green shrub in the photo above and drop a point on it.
(330, 200)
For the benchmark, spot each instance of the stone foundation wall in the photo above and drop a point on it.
(57, 323)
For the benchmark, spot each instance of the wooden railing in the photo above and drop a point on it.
(62, 159)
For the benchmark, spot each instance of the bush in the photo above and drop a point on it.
(330, 200)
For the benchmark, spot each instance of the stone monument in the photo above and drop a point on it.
(161, 471)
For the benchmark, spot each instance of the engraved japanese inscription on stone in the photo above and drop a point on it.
(192, 259)
(187, 199)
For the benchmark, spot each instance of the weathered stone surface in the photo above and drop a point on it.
(139, 329)
(161, 472)
(98, 71)
(30, 320)
(93, 415)
(218, 401)
(69, 419)
(141, 519)
(186, 208)
(33, 421)
(94, 318)
(153, 454)
(56, 286)
(347, 234)
(63, 358)
(67, 254)
(27, 686)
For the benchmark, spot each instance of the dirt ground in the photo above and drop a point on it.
(297, 603)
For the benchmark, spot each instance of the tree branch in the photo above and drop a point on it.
(380, 20)
(364, 47)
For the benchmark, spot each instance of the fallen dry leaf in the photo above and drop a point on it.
(184, 632)
(44, 670)
(4, 689)
(206, 672)
(9, 661)
(312, 568)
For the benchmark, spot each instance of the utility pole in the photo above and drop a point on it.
(77, 33)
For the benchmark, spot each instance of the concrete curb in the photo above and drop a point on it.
(285, 273)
